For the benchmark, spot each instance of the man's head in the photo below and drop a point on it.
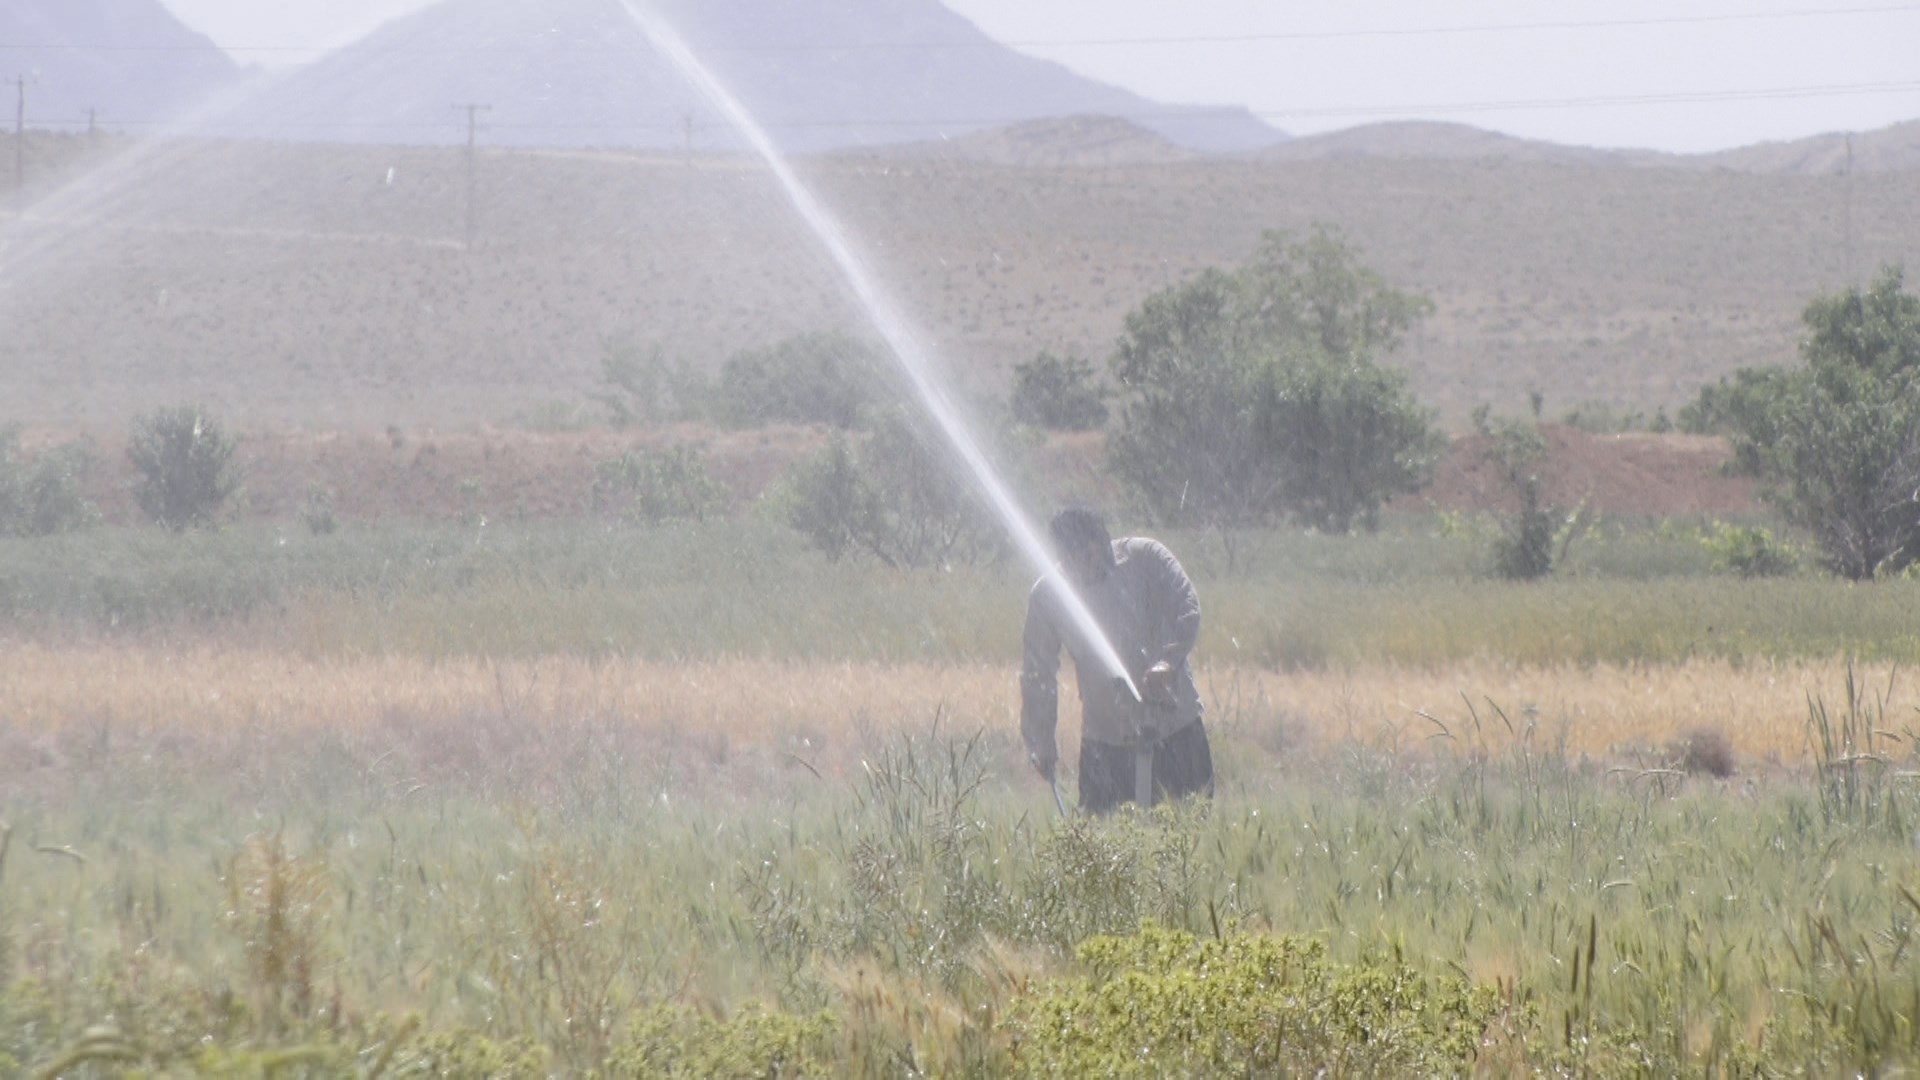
(1080, 539)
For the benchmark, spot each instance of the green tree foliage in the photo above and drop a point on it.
(1258, 394)
(656, 486)
(1838, 440)
(40, 494)
(640, 386)
(1058, 393)
(185, 464)
(891, 495)
(810, 379)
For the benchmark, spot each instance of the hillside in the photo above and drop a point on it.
(327, 287)
(1890, 149)
(1436, 141)
(129, 60)
(1071, 141)
(581, 73)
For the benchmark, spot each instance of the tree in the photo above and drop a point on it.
(1257, 394)
(893, 496)
(810, 379)
(186, 467)
(1838, 441)
(1060, 394)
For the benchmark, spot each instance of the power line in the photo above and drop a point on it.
(1063, 43)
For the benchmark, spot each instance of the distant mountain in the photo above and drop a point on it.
(1889, 149)
(1071, 141)
(129, 59)
(1437, 141)
(821, 74)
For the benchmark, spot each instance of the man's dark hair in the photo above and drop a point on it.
(1078, 527)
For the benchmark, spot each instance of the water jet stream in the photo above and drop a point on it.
(886, 315)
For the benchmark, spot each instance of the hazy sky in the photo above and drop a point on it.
(1699, 74)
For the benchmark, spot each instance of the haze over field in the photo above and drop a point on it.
(497, 580)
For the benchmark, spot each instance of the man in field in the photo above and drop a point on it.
(1139, 751)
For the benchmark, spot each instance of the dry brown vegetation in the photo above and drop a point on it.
(300, 286)
(448, 715)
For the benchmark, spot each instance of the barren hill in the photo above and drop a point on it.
(1071, 141)
(1890, 149)
(328, 287)
(1436, 141)
(582, 73)
(129, 60)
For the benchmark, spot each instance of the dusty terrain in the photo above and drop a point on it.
(330, 288)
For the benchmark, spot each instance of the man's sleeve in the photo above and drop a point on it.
(1183, 607)
(1040, 678)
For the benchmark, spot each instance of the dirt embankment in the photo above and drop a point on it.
(519, 474)
(1630, 474)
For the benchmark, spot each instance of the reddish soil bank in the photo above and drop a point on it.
(505, 474)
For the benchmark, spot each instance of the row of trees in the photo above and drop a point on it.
(1249, 397)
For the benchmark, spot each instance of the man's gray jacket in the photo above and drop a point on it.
(1150, 613)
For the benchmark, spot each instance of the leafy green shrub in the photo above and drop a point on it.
(652, 487)
(672, 1041)
(810, 379)
(185, 465)
(1165, 1003)
(41, 495)
(317, 512)
(1750, 551)
(1524, 550)
(1258, 394)
(1060, 394)
(892, 496)
(640, 387)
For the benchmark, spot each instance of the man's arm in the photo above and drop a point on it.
(1183, 607)
(1040, 683)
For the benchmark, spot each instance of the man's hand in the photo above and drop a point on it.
(1044, 764)
(1157, 679)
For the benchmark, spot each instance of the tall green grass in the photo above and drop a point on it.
(930, 911)
(1409, 596)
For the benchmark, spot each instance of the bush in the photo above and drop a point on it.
(1750, 551)
(41, 495)
(1524, 551)
(317, 512)
(892, 496)
(811, 379)
(1165, 1003)
(185, 465)
(1257, 394)
(641, 387)
(652, 487)
(1058, 394)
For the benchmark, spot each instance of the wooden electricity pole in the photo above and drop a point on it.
(473, 148)
(1847, 224)
(20, 139)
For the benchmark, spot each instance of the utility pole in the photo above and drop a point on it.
(688, 127)
(93, 124)
(1847, 216)
(473, 110)
(20, 141)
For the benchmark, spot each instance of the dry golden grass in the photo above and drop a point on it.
(47, 691)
